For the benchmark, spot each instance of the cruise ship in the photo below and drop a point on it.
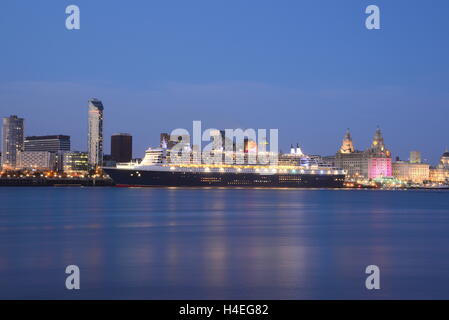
(155, 171)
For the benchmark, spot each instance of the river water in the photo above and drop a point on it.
(222, 243)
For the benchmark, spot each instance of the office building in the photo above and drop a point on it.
(54, 143)
(411, 171)
(95, 133)
(76, 162)
(415, 157)
(121, 147)
(12, 141)
(36, 160)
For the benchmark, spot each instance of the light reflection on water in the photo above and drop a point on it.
(222, 244)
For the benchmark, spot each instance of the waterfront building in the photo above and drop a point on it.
(411, 171)
(95, 132)
(76, 162)
(444, 160)
(355, 163)
(379, 166)
(347, 145)
(12, 141)
(59, 161)
(375, 162)
(351, 160)
(56, 144)
(36, 160)
(415, 157)
(53, 143)
(440, 173)
(121, 147)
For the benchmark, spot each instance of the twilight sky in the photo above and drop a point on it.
(309, 68)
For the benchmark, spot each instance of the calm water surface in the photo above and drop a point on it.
(223, 244)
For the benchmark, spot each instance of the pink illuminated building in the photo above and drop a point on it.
(375, 162)
(379, 167)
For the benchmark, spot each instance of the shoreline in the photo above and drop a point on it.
(106, 182)
(53, 182)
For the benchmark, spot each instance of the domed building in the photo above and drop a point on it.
(347, 146)
(441, 172)
(375, 162)
(444, 160)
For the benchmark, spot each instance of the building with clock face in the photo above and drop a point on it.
(374, 162)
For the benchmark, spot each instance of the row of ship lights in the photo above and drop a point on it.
(257, 170)
(207, 169)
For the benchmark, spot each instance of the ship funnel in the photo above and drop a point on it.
(298, 150)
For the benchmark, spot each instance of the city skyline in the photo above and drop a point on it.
(347, 144)
(106, 145)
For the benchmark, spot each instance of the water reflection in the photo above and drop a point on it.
(219, 243)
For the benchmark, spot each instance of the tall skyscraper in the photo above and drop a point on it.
(121, 147)
(12, 141)
(95, 135)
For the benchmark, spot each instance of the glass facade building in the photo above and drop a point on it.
(76, 162)
(95, 133)
(54, 143)
(12, 141)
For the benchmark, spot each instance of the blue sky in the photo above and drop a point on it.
(309, 68)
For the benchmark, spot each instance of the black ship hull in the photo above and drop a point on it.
(141, 178)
